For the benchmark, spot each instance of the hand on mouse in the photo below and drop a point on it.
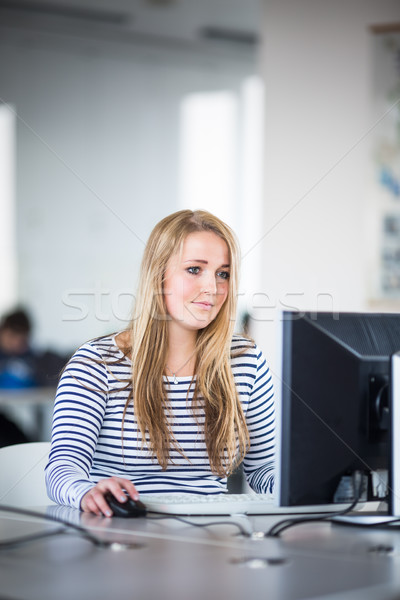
(93, 501)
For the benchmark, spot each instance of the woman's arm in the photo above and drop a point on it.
(259, 462)
(77, 419)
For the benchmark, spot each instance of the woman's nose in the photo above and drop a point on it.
(209, 284)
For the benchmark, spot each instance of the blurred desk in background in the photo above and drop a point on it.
(31, 408)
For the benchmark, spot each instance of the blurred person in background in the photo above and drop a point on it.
(17, 360)
(17, 368)
(22, 367)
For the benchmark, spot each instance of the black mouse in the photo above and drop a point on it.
(128, 509)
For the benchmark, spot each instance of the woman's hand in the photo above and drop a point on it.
(93, 501)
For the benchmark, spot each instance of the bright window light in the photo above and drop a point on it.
(208, 149)
(8, 263)
(250, 207)
(221, 168)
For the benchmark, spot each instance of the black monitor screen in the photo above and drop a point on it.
(335, 395)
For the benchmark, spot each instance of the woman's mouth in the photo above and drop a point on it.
(203, 305)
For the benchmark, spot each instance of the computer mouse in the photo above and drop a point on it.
(128, 509)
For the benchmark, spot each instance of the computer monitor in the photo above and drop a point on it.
(394, 464)
(335, 405)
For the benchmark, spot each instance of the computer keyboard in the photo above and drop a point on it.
(226, 504)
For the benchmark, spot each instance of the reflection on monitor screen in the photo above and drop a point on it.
(335, 411)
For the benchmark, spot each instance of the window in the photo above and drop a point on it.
(8, 262)
(221, 165)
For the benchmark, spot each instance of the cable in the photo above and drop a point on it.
(281, 526)
(31, 513)
(277, 529)
(85, 533)
(187, 522)
(29, 538)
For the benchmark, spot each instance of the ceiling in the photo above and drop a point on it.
(233, 22)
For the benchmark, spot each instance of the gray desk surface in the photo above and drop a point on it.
(171, 560)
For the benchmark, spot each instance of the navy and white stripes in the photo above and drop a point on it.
(86, 437)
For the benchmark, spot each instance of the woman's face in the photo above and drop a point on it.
(197, 281)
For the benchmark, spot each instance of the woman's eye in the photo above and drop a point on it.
(223, 274)
(193, 270)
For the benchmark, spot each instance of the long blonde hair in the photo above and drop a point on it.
(225, 430)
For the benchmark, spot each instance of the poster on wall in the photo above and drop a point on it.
(386, 159)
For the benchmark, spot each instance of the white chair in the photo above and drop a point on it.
(22, 474)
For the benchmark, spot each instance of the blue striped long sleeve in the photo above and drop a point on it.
(259, 462)
(88, 445)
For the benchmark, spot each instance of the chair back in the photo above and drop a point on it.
(22, 480)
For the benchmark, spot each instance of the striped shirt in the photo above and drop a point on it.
(86, 441)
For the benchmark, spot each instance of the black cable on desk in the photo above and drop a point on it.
(281, 526)
(84, 532)
(278, 528)
(31, 513)
(5, 545)
(162, 515)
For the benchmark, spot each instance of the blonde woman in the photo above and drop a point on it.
(176, 402)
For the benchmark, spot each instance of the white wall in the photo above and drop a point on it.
(97, 166)
(317, 67)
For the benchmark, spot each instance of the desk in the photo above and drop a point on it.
(169, 560)
(39, 402)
